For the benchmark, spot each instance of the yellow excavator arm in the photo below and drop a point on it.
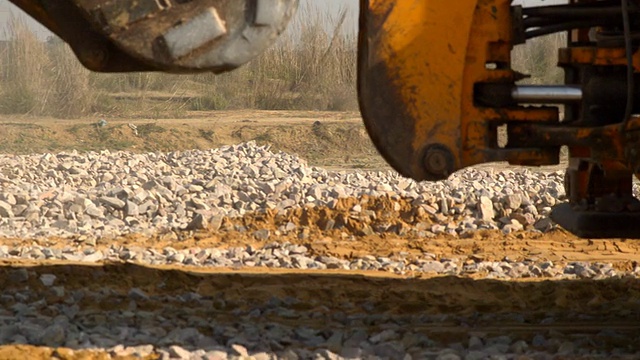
(417, 85)
(436, 88)
(436, 85)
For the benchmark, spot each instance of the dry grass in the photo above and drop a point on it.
(310, 68)
(538, 58)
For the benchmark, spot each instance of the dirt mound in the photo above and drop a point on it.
(331, 139)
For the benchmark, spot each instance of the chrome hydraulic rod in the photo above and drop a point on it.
(546, 94)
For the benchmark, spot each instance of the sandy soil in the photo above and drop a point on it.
(336, 140)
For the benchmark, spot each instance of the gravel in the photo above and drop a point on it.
(187, 326)
(100, 196)
(109, 194)
(292, 256)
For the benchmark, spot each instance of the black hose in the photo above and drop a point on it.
(538, 22)
(545, 30)
(629, 54)
(568, 12)
(550, 9)
(533, 22)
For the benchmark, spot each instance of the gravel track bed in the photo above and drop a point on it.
(452, 308)
(314, 316)
(296, 257)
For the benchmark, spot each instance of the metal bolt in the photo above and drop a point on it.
(194, 34)
(438, 162)
(94, 56)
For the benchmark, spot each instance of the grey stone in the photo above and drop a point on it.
(448, 356)
(240, 350)
(519, 347)
(567, 348)
(262, 234)
(178, 352)
(475, 343)
(383, 336)
(183, 336)
(352, 353)
(544, 224)
(19, 275)
(94, 257)
(113, 202)
(391, 350)
(485, 206)
(199, 222)
(215, 355)
(476, 355)
(53, 336)
(513, 201)
(131, 209)
(538, 341)
(137, 294)
(433, 267)
(334, 342)
(47, 279)
(5, 210)
(94, 211)
(142, 350)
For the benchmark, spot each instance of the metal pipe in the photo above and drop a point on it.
(546, 94)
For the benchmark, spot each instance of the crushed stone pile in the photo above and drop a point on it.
(109, 194)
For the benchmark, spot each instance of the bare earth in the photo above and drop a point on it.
(329, 139)
(608, 304)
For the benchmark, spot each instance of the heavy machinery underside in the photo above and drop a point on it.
(436, 83)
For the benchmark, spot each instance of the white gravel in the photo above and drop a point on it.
(108, 194)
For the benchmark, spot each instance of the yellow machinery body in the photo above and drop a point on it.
(419, 63)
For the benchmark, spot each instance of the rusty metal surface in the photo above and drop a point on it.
(386, 117)
(188, 36)
(417, 87)
(596, 224)
(164, 35)
(93, 50)
(434, 104)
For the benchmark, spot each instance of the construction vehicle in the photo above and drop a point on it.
(435, 82)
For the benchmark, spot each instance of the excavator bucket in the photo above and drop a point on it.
(164, 35)
(421, 65)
